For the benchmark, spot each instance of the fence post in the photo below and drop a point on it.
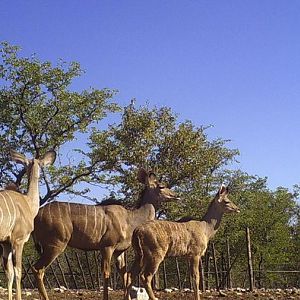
(250, 265)
(202, 281)
(215, 266)
(223, 273)
(178, 274)
(207, 266)
(229, 279)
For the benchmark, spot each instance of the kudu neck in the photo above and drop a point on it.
(212, 219)
(146, 205)
(33, 188)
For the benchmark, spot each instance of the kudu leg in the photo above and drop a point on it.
(121, 266)
(148, 287)
(131, 276)
(194, 265)
(17, 262)
(8, 267)
(48, 255)
(106, 254)
(151, 265)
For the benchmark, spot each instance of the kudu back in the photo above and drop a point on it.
(157, 239)
(106, 228)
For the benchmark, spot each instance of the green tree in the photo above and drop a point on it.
(39, 111)
(295, 232)
(268, 215)
(155, 139)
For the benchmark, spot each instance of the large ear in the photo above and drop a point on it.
(142, 176)
(19, 158)
(152, 178)
(223, 190)
(48, 158)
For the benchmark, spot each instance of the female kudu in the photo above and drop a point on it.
(107, 228)
(17, 212)
(155, 240)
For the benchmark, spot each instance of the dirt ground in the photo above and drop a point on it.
(118, 295)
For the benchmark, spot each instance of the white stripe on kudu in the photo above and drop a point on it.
(14, 213)
(49, 211)
(95, 223)
(111, 230)
(5, 210)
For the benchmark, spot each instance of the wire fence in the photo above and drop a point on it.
(81, 270)
(76, 269)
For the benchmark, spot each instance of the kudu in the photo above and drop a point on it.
(155, 240)
(17, 213)
(107, 228)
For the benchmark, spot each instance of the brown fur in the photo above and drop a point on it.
(17, 212)
(155, 240)
(107, 228)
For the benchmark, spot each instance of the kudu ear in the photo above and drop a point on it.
(223, 190)
(142, 176)
(19, 158)
(152, 178)
(48, 158)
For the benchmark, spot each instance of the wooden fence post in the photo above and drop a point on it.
(223, 273)
(178, 274)
(215, 266)
(250, 265)
(229, 279)
(207, 267)
(202, 281)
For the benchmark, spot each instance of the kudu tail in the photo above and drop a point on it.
(37, 245)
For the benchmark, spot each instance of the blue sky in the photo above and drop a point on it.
(232, 64)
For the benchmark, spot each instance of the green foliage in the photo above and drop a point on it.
(268, 214)
(39, 111)
(154, 139)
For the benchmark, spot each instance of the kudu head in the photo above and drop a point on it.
(33, 164)
(224, 204)
(154, 192)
